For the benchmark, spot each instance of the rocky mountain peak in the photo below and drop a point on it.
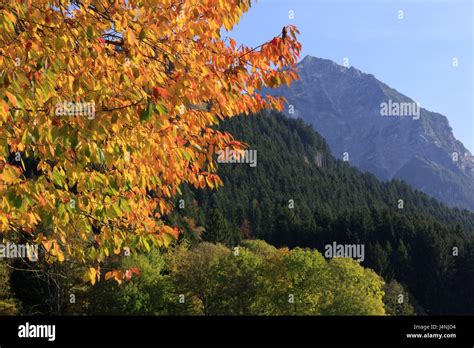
(381, 130)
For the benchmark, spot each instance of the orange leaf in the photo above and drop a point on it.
(11, 98)
(160, 91)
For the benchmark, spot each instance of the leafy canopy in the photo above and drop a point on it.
(253, 279)
(106, 108)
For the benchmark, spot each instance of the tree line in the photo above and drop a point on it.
(293, 198)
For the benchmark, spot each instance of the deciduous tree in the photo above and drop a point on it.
(107, 108)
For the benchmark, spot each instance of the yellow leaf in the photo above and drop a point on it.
(60, 255)
(92, 275)
(10, 175)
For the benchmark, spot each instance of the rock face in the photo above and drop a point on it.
(381, 130)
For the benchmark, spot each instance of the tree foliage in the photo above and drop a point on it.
(8, 305)
(158, 76)
(145, 293)
(397, 300)
(254, 279)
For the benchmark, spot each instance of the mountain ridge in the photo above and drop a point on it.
(344, 104)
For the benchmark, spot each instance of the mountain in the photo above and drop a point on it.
(345, 106)
(298, 194)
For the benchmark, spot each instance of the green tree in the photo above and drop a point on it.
(258, 279)
(217, 228)
(397, 300)
(356, 290)
(190, 271)
(145, 293)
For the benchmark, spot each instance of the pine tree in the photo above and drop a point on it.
(217, 228)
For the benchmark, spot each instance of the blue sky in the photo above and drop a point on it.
(414, 55)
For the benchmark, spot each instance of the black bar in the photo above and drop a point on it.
(105, 330)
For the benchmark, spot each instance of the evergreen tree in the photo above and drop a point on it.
(217, 228)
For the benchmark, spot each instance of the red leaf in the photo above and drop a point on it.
(161, 92)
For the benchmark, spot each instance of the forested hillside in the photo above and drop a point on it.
(344, 105)
(299, 195)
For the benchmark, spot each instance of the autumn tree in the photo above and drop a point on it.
(107, 108)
